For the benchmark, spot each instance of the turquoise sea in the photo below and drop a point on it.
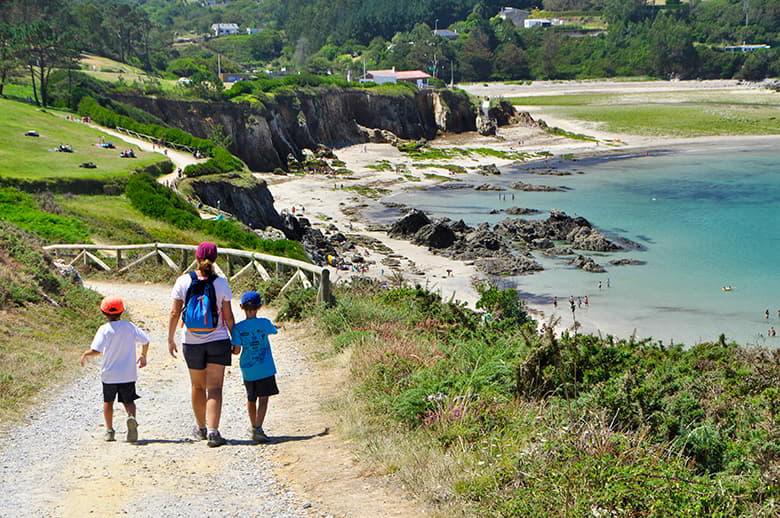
(707, 219)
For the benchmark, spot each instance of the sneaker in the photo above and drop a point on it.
(200, 434)
(215, 440)
(259, 436)
(132, 429)
(109, 436)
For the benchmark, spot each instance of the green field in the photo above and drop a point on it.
(34, 158)
(669, 114)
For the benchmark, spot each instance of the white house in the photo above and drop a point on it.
(380, 77)
(253, 30)
(514, 15)
(746, 48)
(224, 29)
(541, 22)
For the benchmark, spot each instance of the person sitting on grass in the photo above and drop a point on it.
(117, 340)
(250, 339)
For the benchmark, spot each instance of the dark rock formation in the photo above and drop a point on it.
(246, 198)
(486, 126)
(409, 224)
(435, 235)
(488, 187)
(627, 262)
(587, 264)
(586, 238)
(529, 187)
(508, 265)
(521, 211)
(488, 170)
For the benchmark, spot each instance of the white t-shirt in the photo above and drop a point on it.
(117, 341)
(222, 289)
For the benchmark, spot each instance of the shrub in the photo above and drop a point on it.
(22, 210)
(296, 304)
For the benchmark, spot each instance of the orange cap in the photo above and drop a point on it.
(112, 306)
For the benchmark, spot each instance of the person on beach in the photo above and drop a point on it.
(116, 340)
(555, 302)
(587, 301)
(599, 284)
(201, 300)
(250, 339)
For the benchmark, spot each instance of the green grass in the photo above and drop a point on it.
(32, 159)
(368, 192)
(454, 169)
(438, 177)
(23, 211)
(113, 220)
(678, 114)
(683, 120)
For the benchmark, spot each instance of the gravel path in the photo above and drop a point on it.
(56, 464)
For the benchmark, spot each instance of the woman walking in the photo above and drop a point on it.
(201, 300)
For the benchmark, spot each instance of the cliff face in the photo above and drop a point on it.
(246, 198)
(265, 135)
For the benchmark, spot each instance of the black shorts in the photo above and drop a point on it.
(125, 391)
(198, 355)
(261, 388)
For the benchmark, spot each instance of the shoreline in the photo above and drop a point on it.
(324, 199)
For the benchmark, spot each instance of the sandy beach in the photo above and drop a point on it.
(325, 199)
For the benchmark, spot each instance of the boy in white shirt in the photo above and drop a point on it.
(116, 340)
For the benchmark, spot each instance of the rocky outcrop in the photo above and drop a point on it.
(435, 235)
(587, 238)
(409, 224)
(587, 264)
(521, 211)
(529, 187)
(488, 170)
(486, 126)
(488, 187)
(627, 262)
(246, 198)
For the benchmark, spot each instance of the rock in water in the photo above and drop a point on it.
(587, 264)
(522, 211)
(627, 262)
(408, 225)
(488, 187)
(488, 170)
(435, 235)
(587, 238)
(529, 187)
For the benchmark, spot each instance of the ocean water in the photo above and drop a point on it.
(707, 219)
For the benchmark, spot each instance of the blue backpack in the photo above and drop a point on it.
(200, 305)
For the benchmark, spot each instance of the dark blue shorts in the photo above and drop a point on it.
(124, 391)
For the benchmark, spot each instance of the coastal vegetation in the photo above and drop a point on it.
(683, 114)
(483, 416)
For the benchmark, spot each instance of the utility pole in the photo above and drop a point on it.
(746, 8)
(436, 25)
(219, 66)
(452, 74)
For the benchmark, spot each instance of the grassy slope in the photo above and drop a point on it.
(39, 342)
(31, 158)
(112, 219)
(671, 114)
(107, 69)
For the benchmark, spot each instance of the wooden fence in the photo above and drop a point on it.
(158, 141)
(235, 262)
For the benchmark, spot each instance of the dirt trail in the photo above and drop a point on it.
(56, 464)
(180, 159)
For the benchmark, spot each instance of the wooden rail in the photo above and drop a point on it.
(317, 277)
(156, 140)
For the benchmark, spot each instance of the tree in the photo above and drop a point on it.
(625, 11)
(10, 46)
(511, 62)
(49, 42)
(671, 48)
(476, 58)
(551, 45)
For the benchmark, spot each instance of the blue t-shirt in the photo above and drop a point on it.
(252, 336)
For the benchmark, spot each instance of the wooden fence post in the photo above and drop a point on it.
(185, 260)
(157, 252)
(325, 294)
(229, 266)
(119, 262)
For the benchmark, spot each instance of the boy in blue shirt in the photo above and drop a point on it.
(250, 338)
